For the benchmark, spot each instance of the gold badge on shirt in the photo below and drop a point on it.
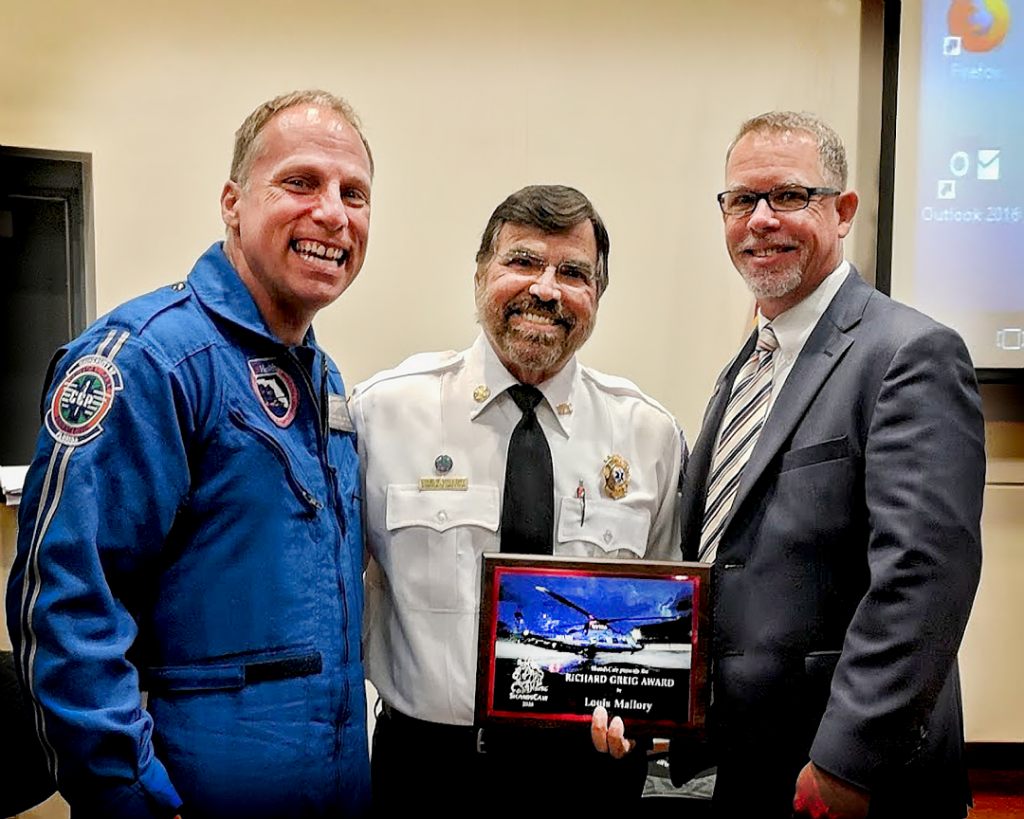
(616, 477)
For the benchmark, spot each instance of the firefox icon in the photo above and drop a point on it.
(981, 25)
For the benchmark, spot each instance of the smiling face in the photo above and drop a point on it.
(297, 230)
(783, 257)
(535, 313)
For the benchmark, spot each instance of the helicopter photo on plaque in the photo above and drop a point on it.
(560, 636)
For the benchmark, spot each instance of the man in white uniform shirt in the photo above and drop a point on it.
(541, 270)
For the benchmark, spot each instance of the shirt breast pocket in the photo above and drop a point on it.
(604, 528)
(437, 537)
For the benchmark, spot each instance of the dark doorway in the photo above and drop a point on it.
(45, 279)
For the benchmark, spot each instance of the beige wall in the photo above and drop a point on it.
(990, 659)
(463, 101)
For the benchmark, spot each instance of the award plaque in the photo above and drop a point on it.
(560, 636)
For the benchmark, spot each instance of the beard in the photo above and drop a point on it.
(529, 349)
(775, 285)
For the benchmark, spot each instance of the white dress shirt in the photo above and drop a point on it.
(425, 546)
(794, 326)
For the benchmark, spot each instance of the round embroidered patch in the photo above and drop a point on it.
(275, 389)
(82, 400)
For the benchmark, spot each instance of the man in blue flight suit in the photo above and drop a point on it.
(190, 524)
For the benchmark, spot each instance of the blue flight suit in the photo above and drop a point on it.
(190, 527)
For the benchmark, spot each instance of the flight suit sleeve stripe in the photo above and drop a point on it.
(117, 345)
(30, 593)
(51, 494)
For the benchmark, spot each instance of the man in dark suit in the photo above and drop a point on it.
(845, 529)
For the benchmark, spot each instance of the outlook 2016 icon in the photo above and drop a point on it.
(980, 26)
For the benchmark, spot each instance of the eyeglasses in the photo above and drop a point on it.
(789, 198)
(576, 274)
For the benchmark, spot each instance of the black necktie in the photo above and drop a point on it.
(528, 509)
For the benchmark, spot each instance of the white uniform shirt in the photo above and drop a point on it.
(423, 576)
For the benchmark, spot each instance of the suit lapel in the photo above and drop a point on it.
(826, 345)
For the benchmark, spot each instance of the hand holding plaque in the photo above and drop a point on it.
(609, 738)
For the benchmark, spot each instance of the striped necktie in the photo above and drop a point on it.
(741, 425)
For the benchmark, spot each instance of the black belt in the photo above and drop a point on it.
(494, 739)
(421, 729)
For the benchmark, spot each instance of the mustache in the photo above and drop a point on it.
(528, 303)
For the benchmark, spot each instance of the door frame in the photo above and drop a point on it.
(62, 176)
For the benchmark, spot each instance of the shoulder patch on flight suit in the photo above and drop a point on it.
(419, 364)
(82, 400)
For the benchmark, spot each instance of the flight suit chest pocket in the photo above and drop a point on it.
(601, 528)
(436, 539)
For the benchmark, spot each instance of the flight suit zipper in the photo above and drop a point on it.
(319, 400)
(307, 497)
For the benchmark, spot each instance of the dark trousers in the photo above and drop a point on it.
(416, 764)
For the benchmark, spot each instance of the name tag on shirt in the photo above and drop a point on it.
(338, 418)
(444, 484)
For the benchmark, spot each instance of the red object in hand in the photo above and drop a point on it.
(819, 795)
(808, 801)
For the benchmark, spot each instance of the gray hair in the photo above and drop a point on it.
(831, 153)
(247, 136)
(552, 209)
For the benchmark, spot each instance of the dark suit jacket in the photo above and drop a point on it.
(845, 576)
